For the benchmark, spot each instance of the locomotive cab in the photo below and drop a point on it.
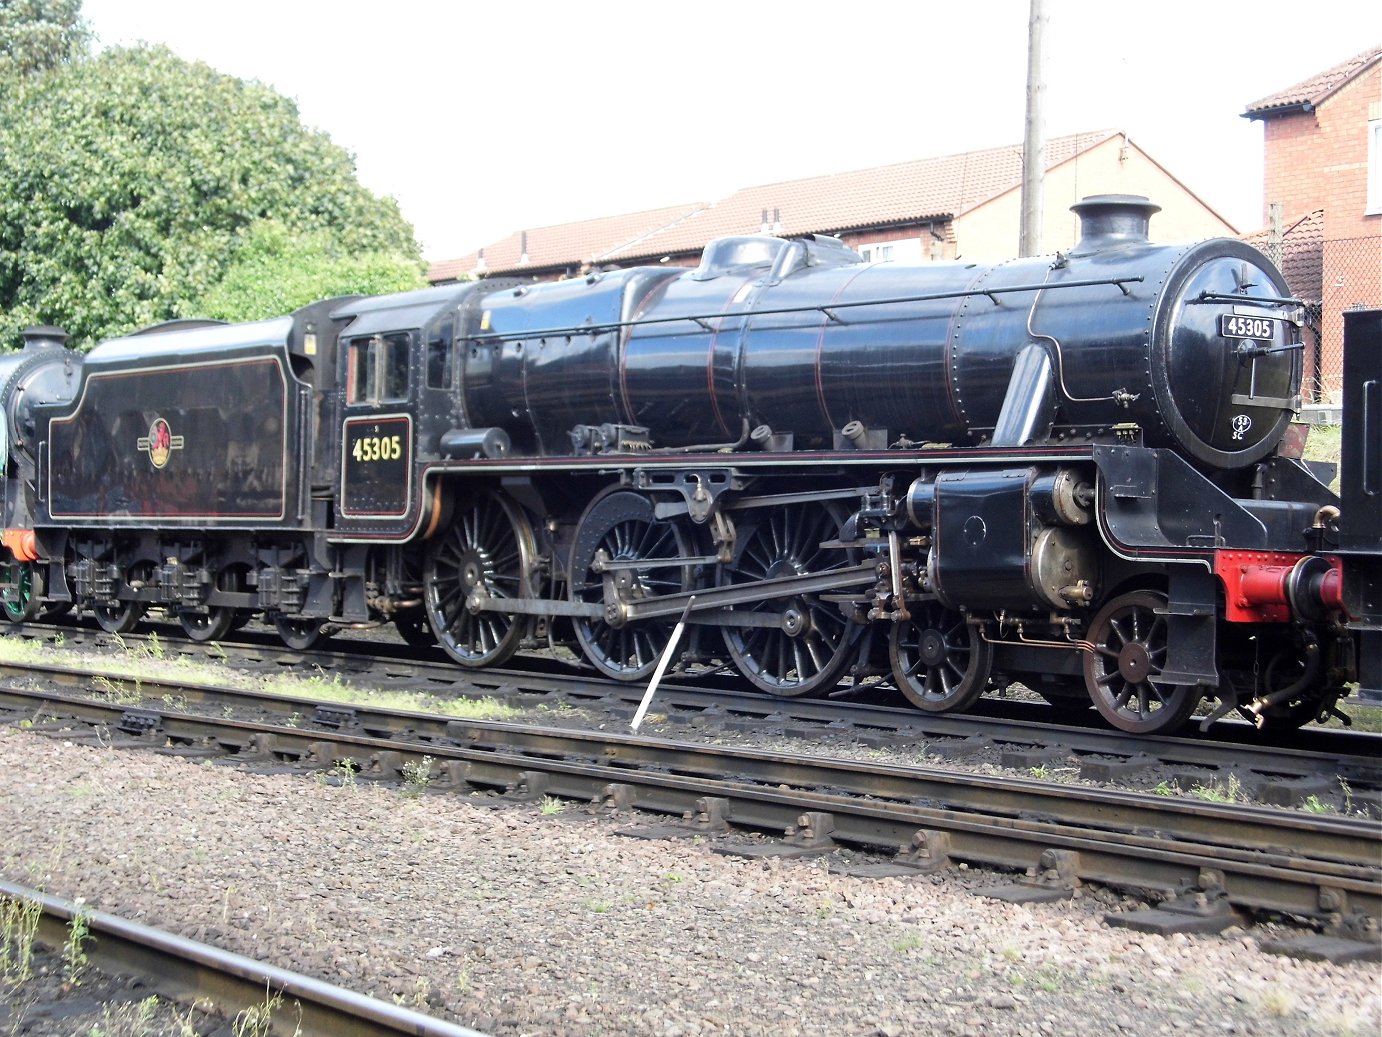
(398, 371)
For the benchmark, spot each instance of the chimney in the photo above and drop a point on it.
(43, 336)
(1111, 220)
(523, 253)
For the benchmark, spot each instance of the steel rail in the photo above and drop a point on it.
(188, 971)
(1287, 861)
(804, 718)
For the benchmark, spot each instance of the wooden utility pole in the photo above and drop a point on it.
(1033, 144)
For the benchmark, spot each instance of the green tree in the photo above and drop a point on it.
(36, 35)
(276, 270)
(132, 179)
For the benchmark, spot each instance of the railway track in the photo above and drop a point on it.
(1337, 768)
(219, 982)
(1213, 860)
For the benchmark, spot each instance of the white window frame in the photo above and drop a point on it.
(1374, 202)
(902, 250)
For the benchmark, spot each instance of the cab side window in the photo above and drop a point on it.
(441, 357)
(377, 368)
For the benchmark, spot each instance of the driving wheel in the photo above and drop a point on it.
(485, 555)
(810, 649)
(623, 548)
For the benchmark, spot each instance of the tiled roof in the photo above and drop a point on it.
(908, 192)
(589, 241)
(1302, 252)
(1309, 94)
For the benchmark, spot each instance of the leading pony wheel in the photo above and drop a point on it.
(414, 629)
(1129, 636)
(940, 662)
(19, 603)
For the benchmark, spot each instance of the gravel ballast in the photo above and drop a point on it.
(514, 921)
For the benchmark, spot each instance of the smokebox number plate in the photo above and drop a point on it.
(1261, 329)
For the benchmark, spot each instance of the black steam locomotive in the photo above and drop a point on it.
(1071, 473)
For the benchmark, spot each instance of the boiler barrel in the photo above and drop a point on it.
(1194, 344)
(1132, 333)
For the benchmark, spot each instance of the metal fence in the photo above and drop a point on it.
(1332, 276)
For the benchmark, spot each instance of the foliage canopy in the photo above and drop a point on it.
(133, 180)
(276, 270)
(36, 35)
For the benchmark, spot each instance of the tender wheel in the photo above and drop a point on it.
(120, 618)
(211, 625)
(811, 656)
(486, 553)
(940, 662)
(19, 604)
(300, 634)
(1129, 638)
(216, 621)
(621, 527)
(414, 629)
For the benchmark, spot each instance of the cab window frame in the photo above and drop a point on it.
(378, 368)
(440, 355)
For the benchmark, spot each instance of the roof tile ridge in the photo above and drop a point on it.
(653, 233)
(1346, 71)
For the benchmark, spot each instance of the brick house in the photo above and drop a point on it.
(963, 206)
(1322, 174)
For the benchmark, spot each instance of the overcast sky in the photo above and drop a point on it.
(487, 118)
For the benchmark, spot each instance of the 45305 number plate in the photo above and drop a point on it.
(1237, 325)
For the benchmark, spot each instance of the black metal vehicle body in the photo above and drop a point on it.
(396, 399)
(43, 372)
(1066, 472)
(802, 338)
(160, 434)
(1360, 524)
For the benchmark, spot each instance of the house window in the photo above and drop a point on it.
(1374, 206)
(904, 250)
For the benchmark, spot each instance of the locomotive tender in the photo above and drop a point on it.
(1068, 472)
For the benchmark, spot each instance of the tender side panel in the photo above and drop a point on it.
(204, 442)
